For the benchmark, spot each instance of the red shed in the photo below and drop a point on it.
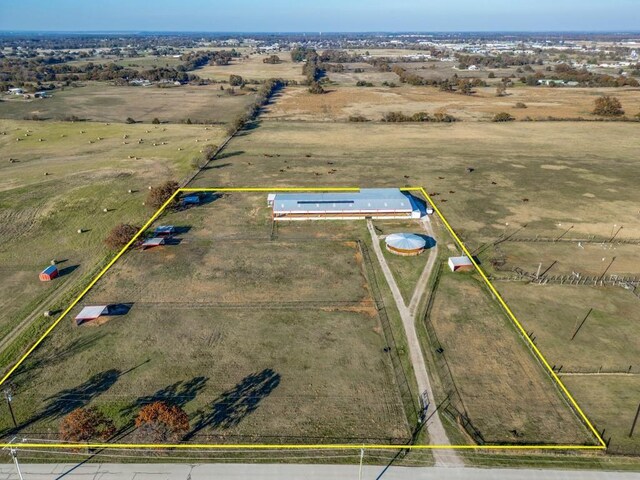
(49, 273)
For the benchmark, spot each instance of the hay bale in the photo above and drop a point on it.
(105, 210)
(80, 230)
(46, 173)
(47, 313)
(130, 191)
(53, 262)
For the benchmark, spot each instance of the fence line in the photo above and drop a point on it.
(453, 406)
(407, 395)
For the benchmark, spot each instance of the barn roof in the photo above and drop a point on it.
(153, 242)
(164, 229)
(92, 312)
(50, 269)
(366, 200)
(457, 261)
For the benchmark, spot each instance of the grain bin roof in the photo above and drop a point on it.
(367, 200)
(405, 241)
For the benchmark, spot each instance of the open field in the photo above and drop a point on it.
(272, 340)
(373, 102)
(554, 312)
(539, 174)
(253, 68)
(507, 395)
(612, 404)
(108, 103)
(40, 214)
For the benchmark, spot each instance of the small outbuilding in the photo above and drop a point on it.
(153, 242)
(406, 244)
(91, 313)
(460, 264)
(164, 230)
(49, 273)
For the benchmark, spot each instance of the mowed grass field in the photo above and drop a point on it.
(612, 405)
(548, 176)
(102, 102)
(259, 340)
(545, 175)
(553, 313)
(346, 99)
(254, 68)
(508, 396)
(40, 215)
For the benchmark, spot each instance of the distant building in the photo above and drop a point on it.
(368, 202)
(460, 264)
(16, 91)
(41, 95)
(473, 68)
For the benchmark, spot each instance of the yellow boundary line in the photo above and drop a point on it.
(601, 446)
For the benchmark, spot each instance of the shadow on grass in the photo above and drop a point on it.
(68, 400)
(232, 406)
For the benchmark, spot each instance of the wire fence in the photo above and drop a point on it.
(408, 396)
(453, 406)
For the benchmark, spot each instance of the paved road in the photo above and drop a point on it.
(109, 471)
(437, 434)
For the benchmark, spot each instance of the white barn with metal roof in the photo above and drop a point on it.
(367, 202)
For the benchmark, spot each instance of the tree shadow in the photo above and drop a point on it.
(232, 406)
(224, 155)
(214, 167)
(68, 400)
(179, 393)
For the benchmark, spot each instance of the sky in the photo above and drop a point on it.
(319, 15)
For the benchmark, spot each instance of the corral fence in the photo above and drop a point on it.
(408, 396)
(589, 240)
(453, 405)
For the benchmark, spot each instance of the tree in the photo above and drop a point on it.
(316, 88)
(160, 422)
(465, 87)
(236, 80)
(501, 90)
(159, 195)
(502, 117)
(607, 106)
(273, 59)
(130, 120)
(155, 121)
(120, 235)
(86, 424)
(492, 75)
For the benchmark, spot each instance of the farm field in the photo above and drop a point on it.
(612, 404)
(589, 335)
(62, 184)
(553, 314)
(254, 68)
(505, 393)
(539, 174)
(259, 339)
(101, 102)
(346, 100)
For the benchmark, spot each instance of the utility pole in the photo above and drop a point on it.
(8, 394)
(361, 458)
(14, 455)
